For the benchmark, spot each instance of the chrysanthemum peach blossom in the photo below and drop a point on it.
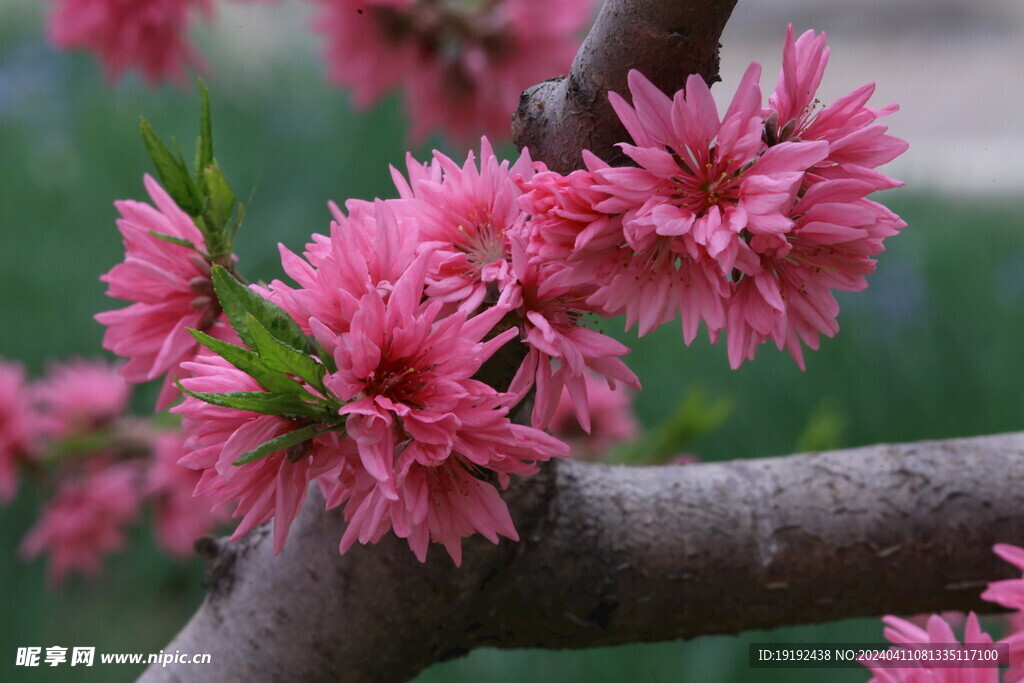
(85, 519)
(79, 396)
(124, 34)
(425, 431)
(561, 349)
(371, 247)
(465, 214)
(171, 290)
(17, 426)
(272, 487)
(788, 297)
(612, 421)
(180, 518)
(857, 145)
(463, 65)
(700, 183)
(938, 632)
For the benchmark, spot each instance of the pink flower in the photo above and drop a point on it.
(85, 520)
(561, 349)
(425, 432)
(371, 247)
(272, 487)
(171, 290)
(611, 419)
(180, 517)
(788, 297)
(700, 184)
(856, 146)
(126, 34)
(465, 215)
(1010, 593)
(79, 396)
(900, 631)
(17, 426)
(463, 66)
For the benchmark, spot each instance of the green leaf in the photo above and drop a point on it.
(260, 402)
(173, 173)
(180, 241)
(204, 149)
(280, 356)
(220, 200)
(249, 363)
(279, 443)
(237, 300)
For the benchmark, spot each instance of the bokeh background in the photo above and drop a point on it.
(931, 350)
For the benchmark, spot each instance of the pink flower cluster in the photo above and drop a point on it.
(746, 222)
(69, 430)
(1008, 593)
(462, 65)
(145, 34)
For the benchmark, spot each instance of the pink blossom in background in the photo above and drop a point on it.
(465, 215)
(148, 35)
(171, 289)
(937, 631)
(462, 65)
(273, 487)
(180, 517)
(79, 396)
(17, 426)
(85, 519)
(612, 421)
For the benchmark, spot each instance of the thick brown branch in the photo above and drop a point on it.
(667, 40)
(612, 555)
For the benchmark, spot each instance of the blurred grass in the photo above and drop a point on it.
(928, 351)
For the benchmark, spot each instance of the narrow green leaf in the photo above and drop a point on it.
(279, 443)
(280, 356)
(173, 173)
(180, 241)
(204, 157)
(260, 402)
(237, 300)
(220, 200)
(249, 363)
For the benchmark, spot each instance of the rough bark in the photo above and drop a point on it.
(613, 555)
(666, 40)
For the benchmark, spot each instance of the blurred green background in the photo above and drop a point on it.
(929, 351)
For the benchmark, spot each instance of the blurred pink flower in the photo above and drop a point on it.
(462, 65)
(79, 396)
(124, 34)
(180, 517)
(273, 487)
(17, 426)
(85, 519)
(937, 631)
(171, 289)
(612, 421)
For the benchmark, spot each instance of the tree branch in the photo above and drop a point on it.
(612, 555)
(667, 40)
